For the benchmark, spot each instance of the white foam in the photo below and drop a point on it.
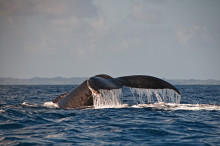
(55, 136)
(2, 111)
(50, 104)
(29, 105)
(173, 106)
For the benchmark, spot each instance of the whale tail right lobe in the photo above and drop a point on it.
(147, 82)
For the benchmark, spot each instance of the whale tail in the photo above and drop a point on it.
(83, 94)
(137, 81)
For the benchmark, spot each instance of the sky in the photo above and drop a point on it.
(172, 39)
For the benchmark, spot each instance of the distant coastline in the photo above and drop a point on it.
(79, 80)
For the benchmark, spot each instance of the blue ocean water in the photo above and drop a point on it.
(26, 120)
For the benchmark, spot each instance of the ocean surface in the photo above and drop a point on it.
(27, 117)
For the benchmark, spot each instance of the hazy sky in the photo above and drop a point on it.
(173, 39)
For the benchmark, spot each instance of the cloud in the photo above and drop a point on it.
(142, 12)
(185, 34)
(65, 25)
(44, 46)
(193, 33)
(56, 8)
(99, 25)
(51, 25)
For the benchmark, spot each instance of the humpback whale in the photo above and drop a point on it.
(82, 95)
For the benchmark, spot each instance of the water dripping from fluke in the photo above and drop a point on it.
(143, 96)
(108, 99)
(113, 98)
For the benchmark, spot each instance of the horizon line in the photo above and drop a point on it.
(88, 77)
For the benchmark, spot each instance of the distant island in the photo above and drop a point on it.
(79, 80)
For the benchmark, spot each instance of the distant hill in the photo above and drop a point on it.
(79, 80)
(43, 81)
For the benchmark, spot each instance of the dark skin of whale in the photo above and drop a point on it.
(81, 96)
